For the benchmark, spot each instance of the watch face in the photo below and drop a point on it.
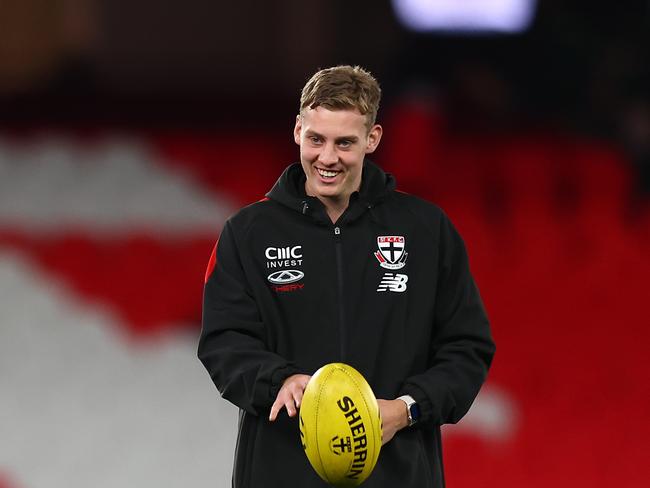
(415, 412)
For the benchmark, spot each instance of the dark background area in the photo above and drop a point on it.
(581, 66)
(210, 62)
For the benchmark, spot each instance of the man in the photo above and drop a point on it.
(336, 266)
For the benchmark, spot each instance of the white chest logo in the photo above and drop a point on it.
(283, 252)
(283, 257)
(286, 276)
(391, 254)
(393, 282)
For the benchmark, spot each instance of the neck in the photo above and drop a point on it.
(335, 208)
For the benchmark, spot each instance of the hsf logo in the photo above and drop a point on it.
(391, 254)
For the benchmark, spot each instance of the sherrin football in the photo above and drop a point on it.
(340, 425)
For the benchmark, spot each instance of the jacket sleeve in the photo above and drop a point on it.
(232, 346)
(462, 347)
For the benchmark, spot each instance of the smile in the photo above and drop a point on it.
(327, 173)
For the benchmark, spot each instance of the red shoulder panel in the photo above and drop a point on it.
(212, 262)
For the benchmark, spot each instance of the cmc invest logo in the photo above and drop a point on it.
(288, 252)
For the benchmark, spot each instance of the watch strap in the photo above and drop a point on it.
(412, 409)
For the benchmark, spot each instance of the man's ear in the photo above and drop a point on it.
(374, 136)
(297, 130)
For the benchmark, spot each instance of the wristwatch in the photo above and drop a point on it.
(412, 408)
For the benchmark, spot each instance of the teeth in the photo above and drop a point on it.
(327, 174)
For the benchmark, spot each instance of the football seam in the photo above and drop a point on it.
(320, 391)
(365, 403)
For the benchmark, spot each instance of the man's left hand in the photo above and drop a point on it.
(394, 417)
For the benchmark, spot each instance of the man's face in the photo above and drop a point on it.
(333, 144)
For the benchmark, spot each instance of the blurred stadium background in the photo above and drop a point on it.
(129, 131)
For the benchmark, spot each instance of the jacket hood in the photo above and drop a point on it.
(289, 190)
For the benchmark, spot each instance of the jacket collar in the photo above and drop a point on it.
(289, 190)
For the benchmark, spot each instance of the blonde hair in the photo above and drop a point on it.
(343, 87)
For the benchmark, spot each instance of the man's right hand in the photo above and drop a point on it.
(290, 395)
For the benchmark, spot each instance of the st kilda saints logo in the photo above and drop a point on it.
(391, 254)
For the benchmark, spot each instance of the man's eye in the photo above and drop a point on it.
(315, 139)
(345, 143)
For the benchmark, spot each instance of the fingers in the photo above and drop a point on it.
(289, 396)
(291, 406)
(275, 408)
(279, 404)
(297, 394)
(286, 399)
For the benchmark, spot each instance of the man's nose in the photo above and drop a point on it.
(328, 154)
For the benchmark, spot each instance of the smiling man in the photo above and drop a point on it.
(337, 266)
(334, 135)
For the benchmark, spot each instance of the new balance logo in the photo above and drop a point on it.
(393, 282)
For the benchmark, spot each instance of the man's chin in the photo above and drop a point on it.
(326, 191)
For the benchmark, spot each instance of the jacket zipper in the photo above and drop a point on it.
(339, 269)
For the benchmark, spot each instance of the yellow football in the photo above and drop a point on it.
(340, 425)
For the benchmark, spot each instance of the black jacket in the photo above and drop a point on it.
(387, 289)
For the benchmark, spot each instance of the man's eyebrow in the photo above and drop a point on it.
(347, 138)
(351, 138)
